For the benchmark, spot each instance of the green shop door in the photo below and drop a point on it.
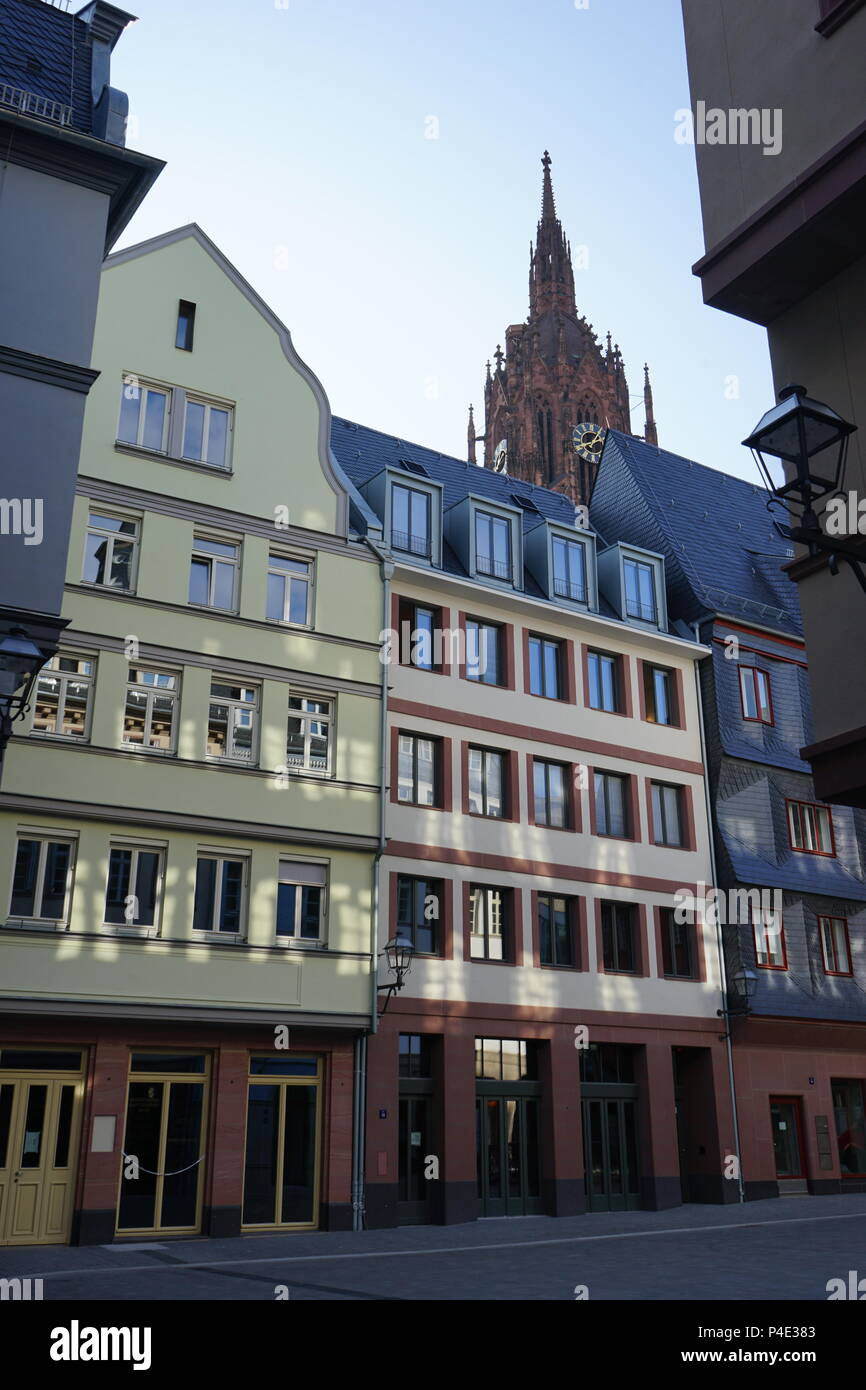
(508, 1156)
(610, 1153)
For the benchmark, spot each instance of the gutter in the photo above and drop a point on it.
(696, 628)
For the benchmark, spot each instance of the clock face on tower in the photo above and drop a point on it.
(588, 441)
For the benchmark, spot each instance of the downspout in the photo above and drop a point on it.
(696, 628)
(359, 1125)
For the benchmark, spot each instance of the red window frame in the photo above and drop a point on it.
(825, 917)
(754, 672)
(766, 965)
(799, 807)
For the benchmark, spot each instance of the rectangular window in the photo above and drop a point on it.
(213, 573)
(604, 682)
(850, 1117)
(410, 520)
(151, 709)
(110, 551)
(505, 1059)
(489, 925)
(569, 570)
(144, 414)
(679, 959)
(219, 884)
(289, 584)
(419, 907)
(810, 828)
(484, 660)
(415, 1055)
(769, 935)
(755, 695)
(835, 945)
(667, 803)
(493, 546)
(659, 689)
(132, 890)
(555, 930)
(42, 882)
(183, 337)
(487, 782)
(619, 928)
(231, 724)
(546, 668)
(420, 636)
(611, 805)
(418, 769)
(64, 691)
(207, 431)
(550, 793)
(640, 591)
(301, 902)
(310, 733)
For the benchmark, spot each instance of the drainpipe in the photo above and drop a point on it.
(696, 628)
(359, 1127)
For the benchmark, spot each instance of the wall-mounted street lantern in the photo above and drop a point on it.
(20, 664)
(812, 439)
(398, 953)
(741, 991)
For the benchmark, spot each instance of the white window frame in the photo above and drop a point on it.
(306, 715)
(246, 706)
(234, 562)
(45, 838)
(222, 856)
(64, 678)
(136, 847)
(209, 403)
(94, 529)
(660, 801)
(143, 388)
(174, 424)
(287, 577)
(152, 691)
(290, 872)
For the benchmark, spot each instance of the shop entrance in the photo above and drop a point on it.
(162, 1169)
(281, 1168)
(41, 1095)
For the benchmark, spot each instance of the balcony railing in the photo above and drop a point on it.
(645, 612)
(31, 104)
(563, 588)
(413, 545)
(497, 569)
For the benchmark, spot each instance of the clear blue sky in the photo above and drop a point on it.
(295, 136)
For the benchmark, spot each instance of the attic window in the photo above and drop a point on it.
(185, 325)
(521, 500)
(412, 467)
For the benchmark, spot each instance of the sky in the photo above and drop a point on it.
(372, 167)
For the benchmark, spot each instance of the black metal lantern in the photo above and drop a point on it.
(398, 954)
(20, 664)
(741, 991)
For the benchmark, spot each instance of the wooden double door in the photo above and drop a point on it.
(40, 1130)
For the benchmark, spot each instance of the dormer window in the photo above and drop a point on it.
(569, 570)
(640, 591)
(411, 521)
(493, 545)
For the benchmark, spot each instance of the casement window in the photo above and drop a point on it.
(489, 923)
(219, 894)
(679, 947)
(619, 937)
(849, 1114)
(207, 432)
(546, 668)
(486, 772)
(769, 937)
(755, 695)
(144, 415)
(310, 733)
(550, 793)
(132, 891)
(493, 546)
(411, 511)
(213, 574)
(556, 930)
(660, 700)
(419, 912)
(484, 653)
(611, 805)
(835, 945)
(605, 682)
(289, 588)
(640, 591)
(569, 570)
(150, 717)
(668, 818)
(420, 636)
(64, 695)
(110, 551)
(419, 761)
(810, 828)
(301, 902)
(42, 881)
(185, 332)
(232, 722)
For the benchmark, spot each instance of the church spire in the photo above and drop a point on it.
(551, 278)
(470, 434)
(650, 432)
(548, 206)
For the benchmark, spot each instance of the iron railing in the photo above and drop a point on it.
(31, 104)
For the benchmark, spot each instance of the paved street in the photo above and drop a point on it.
(784, 1249)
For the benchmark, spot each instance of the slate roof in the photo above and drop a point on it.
(723, 553)
(44, 50)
